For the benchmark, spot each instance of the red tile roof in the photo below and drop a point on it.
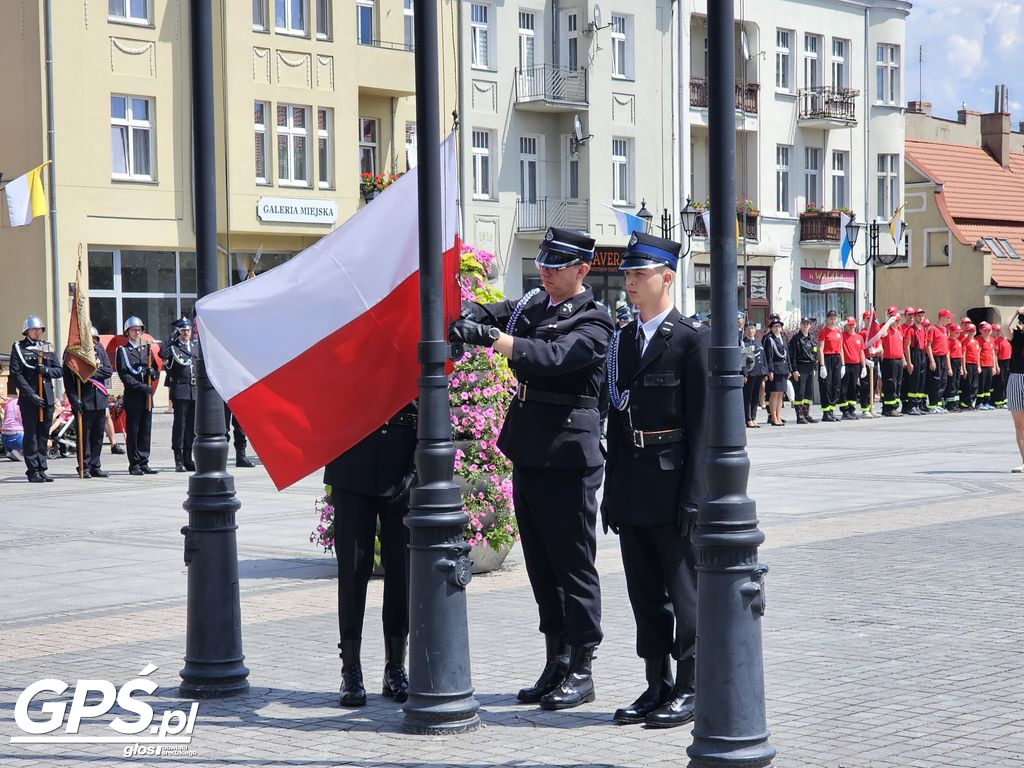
(979, 199)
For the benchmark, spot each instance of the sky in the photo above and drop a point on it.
(970, 46)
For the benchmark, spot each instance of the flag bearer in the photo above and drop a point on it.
(804, 357)
(830, 365)
(93, 407)
(136, 367)
(33, 369)
(179, 365)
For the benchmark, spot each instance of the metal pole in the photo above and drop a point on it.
(213, 636)
(730, 727)
(51, 152)
(440, 691)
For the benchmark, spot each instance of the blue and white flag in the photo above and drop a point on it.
(628, 222)
(847, 246)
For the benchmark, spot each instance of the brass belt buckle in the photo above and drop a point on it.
(638, 438)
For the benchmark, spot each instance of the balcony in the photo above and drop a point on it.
(820, 229)
(826, 107)
(747, 221)
(537, 216)
(385, 69)
(746, 95)
(545, 88)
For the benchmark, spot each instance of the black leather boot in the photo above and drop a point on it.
(578, 686)
(555, 670)
(396, 682)
(178, 466)
(679, 709)
(186, 459)
(351, 693)
(241, 460)
(807, 415)
(659, 689)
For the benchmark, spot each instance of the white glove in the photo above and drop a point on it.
(871, 363)
(863, 373)
(823, 372)
(842, 371)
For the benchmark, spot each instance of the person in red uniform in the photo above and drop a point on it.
(913, 346)
(830, 365)
(972, 366)
(939, 366)
(855, 369)
(989, 368)
(892, 362)
(1004, 351)
(871, 384)
(951, 396)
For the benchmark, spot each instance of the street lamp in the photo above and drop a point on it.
(688, 220)
(852, 231)
(646, 215)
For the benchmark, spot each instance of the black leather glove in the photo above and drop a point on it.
(38, 400)
(466, 312)
(153, 373)
(608, 521)
(686, 519)
(401, 495)
(471, 332)
(76, 406)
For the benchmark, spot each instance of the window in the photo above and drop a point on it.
(936, 248)
(527, 40)
(839, 189)
(290, 16)
(570, 171)
(812, 176)
(292, 158)
(782, 178)
(812, 63)
(888, 185)
(887, 74)
(259, 15)
(481, 165)
(839, 66)
(131, 137)
(323, 19)
(572, 41)
(324, 150)
(131, 11)
(410, 27)
(530, 209)
(158, 286)
(368, 145)
(620, 171)
(783, 57)
(260, 126)
(480, 36)
(620, 63)
(410, 146)
(1010, 250)
(364, 22)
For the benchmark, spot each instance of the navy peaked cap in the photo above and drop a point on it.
(563, 247)
(646, 251)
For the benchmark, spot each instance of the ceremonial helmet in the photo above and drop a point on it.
(95, 333)
(32, 321)
(134, 322)
(564, 248)
(647, 251)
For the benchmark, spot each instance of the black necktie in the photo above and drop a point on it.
(640, 336)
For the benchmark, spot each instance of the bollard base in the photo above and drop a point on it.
(446, 728)
(721, 753)
(440, 715)
(213, 689)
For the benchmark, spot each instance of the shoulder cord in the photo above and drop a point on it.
(618, 399)
(520, 306)
(136, 371)
(775, 344)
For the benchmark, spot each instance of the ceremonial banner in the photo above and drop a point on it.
(80, 355)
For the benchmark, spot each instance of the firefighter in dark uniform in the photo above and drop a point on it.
(33, 368)
(178, 356)
(556, 340)
(657, 377)
(804, 357)
(369, 485)
(137, 370)
(92, 404)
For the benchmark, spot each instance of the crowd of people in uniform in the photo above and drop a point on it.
(34, 366)
(908, 365)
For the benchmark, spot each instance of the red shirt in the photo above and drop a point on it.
(830, 340)
(937, 336)
(956, 349)
(988, 357)
(972, 351)
(1004, 350)
(853, 345)
(892, 343)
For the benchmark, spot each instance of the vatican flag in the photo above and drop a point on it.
(26, 198)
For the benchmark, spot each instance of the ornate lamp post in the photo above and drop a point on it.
(688, 220)
(646, 215)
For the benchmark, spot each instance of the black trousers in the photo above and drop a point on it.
(355, 524)
(138, 427)
(183, 429)
(832, 384)
(985, 386)
(803, 388)
(751, 396)
(892, 383)
(952, 391)
(92, 437)
(937, 383)
(969, 387)
(37, 435)
(914, 383)
(661, 580)
(851, 382)
(557, 513)
(231, 422)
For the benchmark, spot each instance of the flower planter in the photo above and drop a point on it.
(486, 559)
(371, 195)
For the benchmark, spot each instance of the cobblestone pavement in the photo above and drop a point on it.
(894, 634)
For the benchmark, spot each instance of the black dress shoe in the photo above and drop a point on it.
(578, 686)
(99, 473)
(35, 477)
(116, 448)
(135, 471)
(554, 672)
(147, 471)
(86, 474)
(46, 477)
(659, 689)
(241, 460)
(678, 711)
(189, 466)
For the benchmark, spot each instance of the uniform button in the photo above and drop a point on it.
(568, 422)
(383, 431)
(520, 405)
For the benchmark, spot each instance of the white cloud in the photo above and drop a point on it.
(963, 54)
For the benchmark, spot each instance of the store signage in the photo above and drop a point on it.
(828, 279)
(607, 259)
(297, 210)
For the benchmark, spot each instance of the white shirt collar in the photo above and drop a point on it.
(650, 327)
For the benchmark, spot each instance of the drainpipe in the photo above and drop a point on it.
(460, 134)
(394, 135)
(685, 298)
(51, 170)
(867, 140)
(554, 33)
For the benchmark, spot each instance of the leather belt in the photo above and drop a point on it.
(643, 439)
(529, 394)
(404, 420)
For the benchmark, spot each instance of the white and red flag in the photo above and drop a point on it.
(317, 353)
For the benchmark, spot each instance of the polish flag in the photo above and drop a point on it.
(319, 352)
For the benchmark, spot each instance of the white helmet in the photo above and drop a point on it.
(32, 321)
(95, 333)
(134, 322)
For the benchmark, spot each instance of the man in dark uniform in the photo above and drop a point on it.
(657, 377)
(137, 370)
(33, 368)
(804, 355)
(178, 357)
(90, 399)
(370, 483)
(231, 424)
(555, 340)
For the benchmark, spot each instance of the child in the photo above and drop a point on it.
(13, 432)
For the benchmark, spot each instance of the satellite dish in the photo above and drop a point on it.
(577, 128)
(597, 16)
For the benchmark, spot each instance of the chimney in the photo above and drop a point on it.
(1020, 127)
(995, 128)
(920, 107)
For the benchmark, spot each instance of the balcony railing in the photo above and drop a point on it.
(746, 219)
(544, 212)
(828, 104)
(820, 227)
(746, 95)
(555, 85)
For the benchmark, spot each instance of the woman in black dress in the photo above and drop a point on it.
(777, 363)
(754, 371)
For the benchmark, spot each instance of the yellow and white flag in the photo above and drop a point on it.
(26, 198)
(895, 223)
(706, 215)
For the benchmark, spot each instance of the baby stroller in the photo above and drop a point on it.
(63, 437)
